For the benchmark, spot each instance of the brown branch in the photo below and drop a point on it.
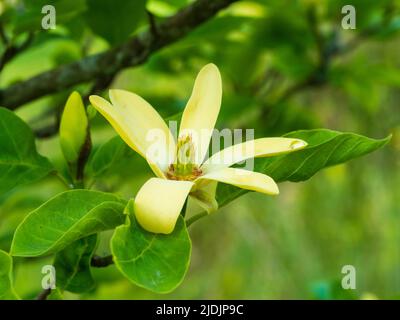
(132, 53)
(3, 35)
(44, 294)
(12, 50)
(46, 131)
(83, 158)
(101, 262)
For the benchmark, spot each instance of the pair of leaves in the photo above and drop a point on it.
(67, 225)
(153, 261)
(325, 148)
(67, 217)
(62, 225)
(19, 161)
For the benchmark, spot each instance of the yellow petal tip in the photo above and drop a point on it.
(298, 144)
(211, 66)
(93, 99)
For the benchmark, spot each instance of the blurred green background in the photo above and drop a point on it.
(286, 65)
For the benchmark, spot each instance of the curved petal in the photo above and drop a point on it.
(159, 203)
(264, 147)
(202, 109)
(140, 126)
(244, 179)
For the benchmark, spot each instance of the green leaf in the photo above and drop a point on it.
(153, 261)
(64, 219)
(325, 148)
(6, 283)
(107, 155)
(30, 18)
(73, 265)
(115, 20)
(19, 161)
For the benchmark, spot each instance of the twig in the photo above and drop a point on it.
(44, 294)
(47, 131)
(101, 262)
(12, 50)
(132, 53)
(82, 160)
(152, 23)
(3, 35)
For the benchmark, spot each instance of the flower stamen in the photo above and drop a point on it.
(184, 167)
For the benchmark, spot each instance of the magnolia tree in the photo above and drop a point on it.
(195, 172)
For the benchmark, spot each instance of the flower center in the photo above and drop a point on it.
(184, 167)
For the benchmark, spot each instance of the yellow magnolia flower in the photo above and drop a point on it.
(179, 165)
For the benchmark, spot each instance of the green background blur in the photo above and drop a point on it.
(286, 65)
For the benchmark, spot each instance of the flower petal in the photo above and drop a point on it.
(202, 109)
(244, 179)
(264, 147)
(159, 203)
(140, 126)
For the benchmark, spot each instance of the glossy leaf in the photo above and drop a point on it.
(30, 19)
(6, 282)
(153, 261)
(325, 148)
(20, 163)
(107, 155)
(73, 265)
(64, 219)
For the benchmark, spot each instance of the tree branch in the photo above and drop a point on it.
(101, 262)
(132, 53)
(43, 294)
(3, 35)
(13, 50)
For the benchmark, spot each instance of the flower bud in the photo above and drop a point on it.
(73, 128)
